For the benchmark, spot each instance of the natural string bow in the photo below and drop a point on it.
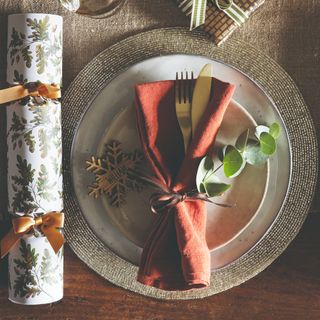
(197, 10)
(48, 224)
(165, 198)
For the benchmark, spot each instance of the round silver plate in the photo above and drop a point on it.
(106, 85)
(230, 231)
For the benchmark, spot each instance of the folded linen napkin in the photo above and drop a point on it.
(176, 255)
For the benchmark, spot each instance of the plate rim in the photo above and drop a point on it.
(195, 44)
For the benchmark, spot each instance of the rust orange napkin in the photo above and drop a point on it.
(176, 255)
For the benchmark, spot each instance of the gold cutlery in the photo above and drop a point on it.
(183, 99)
(201, 95)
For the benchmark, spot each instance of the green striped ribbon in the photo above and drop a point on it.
(197, 10)
(232, 10)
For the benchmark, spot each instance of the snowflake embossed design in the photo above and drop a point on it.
(115, 173)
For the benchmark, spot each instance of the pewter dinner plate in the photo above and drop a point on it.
(230, 231)
(243, 241)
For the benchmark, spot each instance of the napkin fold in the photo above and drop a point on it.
(176, 255)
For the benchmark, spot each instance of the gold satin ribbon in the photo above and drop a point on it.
(34, 89)
(48, 223)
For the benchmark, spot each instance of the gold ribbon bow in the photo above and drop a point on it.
(48, 223)
(34, 89)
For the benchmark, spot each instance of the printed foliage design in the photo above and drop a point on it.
(47, 44)
(29, 189)
(37, 128)
(48, 272)
(19, 78)
(23, 199)
(32, 274)
(115, 173)
(46, 118)
(44, 185)
(21, 132)
(25, 284)
(19, 46)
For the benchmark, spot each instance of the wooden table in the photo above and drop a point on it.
(290, 288)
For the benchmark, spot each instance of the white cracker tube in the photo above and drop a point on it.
(34, 154)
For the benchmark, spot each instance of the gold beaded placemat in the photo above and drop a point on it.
(268, 75)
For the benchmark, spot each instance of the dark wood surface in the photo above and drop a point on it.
(288, 289)
(288, 31)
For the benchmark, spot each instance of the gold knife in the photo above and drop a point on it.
(201, 96)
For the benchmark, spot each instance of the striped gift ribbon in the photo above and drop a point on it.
(197, 10)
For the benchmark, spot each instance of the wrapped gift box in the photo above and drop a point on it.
(219, 25)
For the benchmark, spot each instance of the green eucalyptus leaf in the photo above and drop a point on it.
(208, 163)
(242, 140)
(268, 144)
(220, 153)
(253, 155)
(205, 167)
(233, 162)
(212, 178)
(215, 189)
(213, 186)
(202, 188)
(261, 129)
(275, 130)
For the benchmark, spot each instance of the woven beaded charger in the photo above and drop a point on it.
(268, 75)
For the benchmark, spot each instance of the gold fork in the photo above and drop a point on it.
(183, 96)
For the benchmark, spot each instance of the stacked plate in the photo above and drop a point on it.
(268, 205)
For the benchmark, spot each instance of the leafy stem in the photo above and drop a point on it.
(32, 274)
(35, 199)
(45, 49)
(252, 148)
(214, 171)
(35, 273)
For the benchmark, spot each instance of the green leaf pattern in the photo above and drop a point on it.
(25, 285)
(48, 120)
(23, 199)
(35, 150)
(30, 189)
(34, 270)
(44, 185)
(19, 78)
(45, 40)
(35, 128)
(21, 132)
(46, 117)
(48, 268)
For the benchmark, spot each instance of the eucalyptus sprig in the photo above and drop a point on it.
(252, 146)
(206, 180)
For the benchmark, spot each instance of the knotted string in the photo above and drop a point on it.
(165, 199)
